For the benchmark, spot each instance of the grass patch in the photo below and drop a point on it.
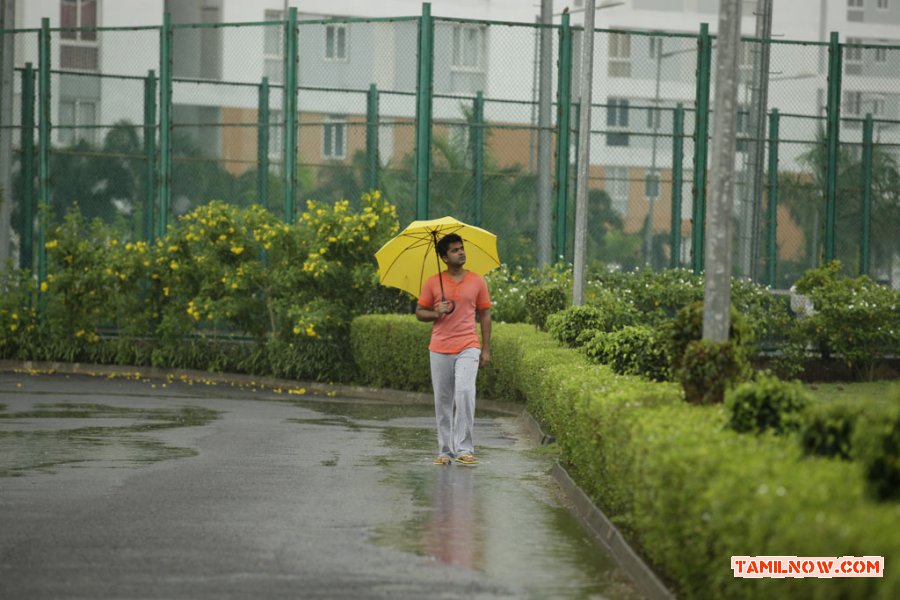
(866, 390)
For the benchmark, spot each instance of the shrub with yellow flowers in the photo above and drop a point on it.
(75, 296)
(221, 273)
(18, 316)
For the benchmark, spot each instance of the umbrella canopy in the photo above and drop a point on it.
(409, 259)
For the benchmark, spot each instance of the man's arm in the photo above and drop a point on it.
(484, 317)
(428, 315)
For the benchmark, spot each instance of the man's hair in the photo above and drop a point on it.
(443, 244)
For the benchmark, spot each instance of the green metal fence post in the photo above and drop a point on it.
(677, 184)
(477, 137)
(26, 254)
(701, 142)
(772, 202)
(290, 115)
(149, 153)
(372, 136)
(833, 115)
(864, 240)
(44, 150)
(165, 124)
(424, 101)
(262, 145)
(563, 130)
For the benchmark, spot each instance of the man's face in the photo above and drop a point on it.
(456, 255)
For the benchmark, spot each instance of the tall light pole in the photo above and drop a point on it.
(584, 149)
(758, 110)
(7, 21)
(717, 291)
(584, 154)
(651, 185)
(545, 148)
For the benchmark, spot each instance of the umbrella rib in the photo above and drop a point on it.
(486, 253)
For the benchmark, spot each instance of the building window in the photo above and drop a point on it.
(619, 55)
(853, 55)
(617, 117)
(654, 117)
(856, 3)
(78, 49)
(881, 55)
(883, 4)
(273, 47)
(336, 37)
(469, 47)
(742, 127)
(334, 140)
(77, 119)
(616, 185)
(877, 103)
(656, 47)
(852, 103)
(276, 135)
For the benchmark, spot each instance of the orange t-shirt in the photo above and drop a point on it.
(453, 333)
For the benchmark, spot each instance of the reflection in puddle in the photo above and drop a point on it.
(452, 531)
(53, 435)
(502, 519)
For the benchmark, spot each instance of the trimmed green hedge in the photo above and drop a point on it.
(689, 491)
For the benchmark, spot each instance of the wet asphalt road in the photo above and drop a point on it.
(128, 489)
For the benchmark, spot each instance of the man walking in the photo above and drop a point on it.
(451, 300)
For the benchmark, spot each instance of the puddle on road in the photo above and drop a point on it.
(77, 434)
(503, 518)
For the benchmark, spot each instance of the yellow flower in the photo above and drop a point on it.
(237, 249)
(13, 327)
(310, 330)
(323, 250)
(234, 285)
(52, 244)
(44, 286)
(173, 265)
(166, 292)
(79, 333)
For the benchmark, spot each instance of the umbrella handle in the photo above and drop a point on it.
(437, 257)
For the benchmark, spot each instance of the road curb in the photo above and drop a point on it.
(312, 387)
(605, 533)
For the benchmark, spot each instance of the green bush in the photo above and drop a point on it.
(541, 302)
(687, 327)
(576, 324)
(827, 427)
(392, 351)
(876, 445)
(708, 369)
(568, 325)
(682, 485)
(632, 350)
(508, 288)
(766, 404)
(855, 319)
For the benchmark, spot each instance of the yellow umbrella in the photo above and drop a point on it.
(409, 259)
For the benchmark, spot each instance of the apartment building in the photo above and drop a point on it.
(644, 68)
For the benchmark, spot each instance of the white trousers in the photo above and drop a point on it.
(453, 378)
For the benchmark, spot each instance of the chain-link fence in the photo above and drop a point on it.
(473, 119)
